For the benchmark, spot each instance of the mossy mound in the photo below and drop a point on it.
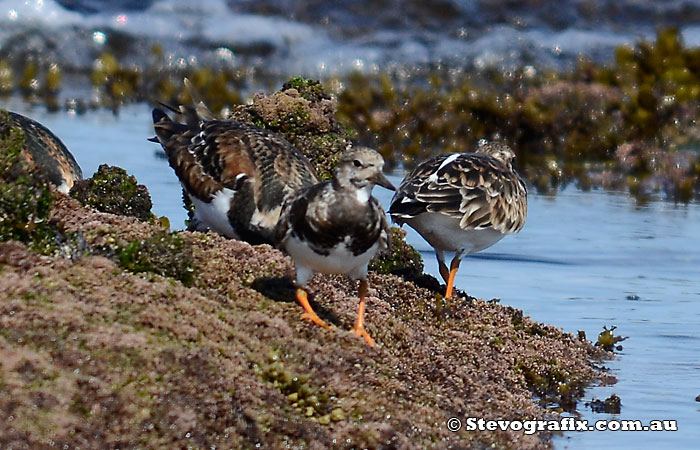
(163, 253)
(113, 190)
(400, 259)
(304, 113)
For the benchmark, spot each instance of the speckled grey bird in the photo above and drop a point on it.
(237, 175)
(44, 151)
(336, 227)
(462, 202)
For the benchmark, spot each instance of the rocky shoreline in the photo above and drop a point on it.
(117, 332)
(95, 355)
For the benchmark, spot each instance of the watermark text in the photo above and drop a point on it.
(566, 424)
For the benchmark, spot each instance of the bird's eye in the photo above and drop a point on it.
(357, 163)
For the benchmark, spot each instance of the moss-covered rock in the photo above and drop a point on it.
(611, 405)
(401, 258)
(304, 113)
(98, 356)
(113, 191)
(164, 253)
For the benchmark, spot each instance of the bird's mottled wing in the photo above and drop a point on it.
(185, 145)
(477, 189)
(229, 153)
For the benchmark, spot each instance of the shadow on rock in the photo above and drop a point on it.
(282, 289)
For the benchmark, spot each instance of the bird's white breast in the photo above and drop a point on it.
(215, 213)
(339, 260)
(444, 233)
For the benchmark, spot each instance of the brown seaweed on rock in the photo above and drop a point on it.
(304, 113)
(96, 356)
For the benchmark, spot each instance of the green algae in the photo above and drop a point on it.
(401, 258)
(311, 90)
(607, 339)
(7, 83)
(113, 190)
(163, 253)
(115, 83)
(305, 398)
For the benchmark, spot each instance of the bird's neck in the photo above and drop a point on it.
(359, 193)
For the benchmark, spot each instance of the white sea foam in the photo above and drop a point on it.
(36, 12)
(294, 47)
(209, 20)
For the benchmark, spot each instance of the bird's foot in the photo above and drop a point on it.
(363, 333)
(315, 319)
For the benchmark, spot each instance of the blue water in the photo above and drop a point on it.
(577, 264)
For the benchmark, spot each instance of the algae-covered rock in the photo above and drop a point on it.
(611, 405)
(114, 191)
(608, 340)
(96, 355)
(304, 113)
(401, 258)
(163, 253)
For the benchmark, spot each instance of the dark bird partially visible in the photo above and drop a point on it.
(45, 152)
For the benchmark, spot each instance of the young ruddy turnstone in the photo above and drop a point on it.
(462, 202)
(45, 152)
(237, 175)
(336, 227)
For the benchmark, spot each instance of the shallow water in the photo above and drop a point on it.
(582, 261)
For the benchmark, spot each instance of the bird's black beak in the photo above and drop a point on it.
(383, 181)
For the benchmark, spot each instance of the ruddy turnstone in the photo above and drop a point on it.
(45, 152)
(462, 202)
(336, 227)
(237, 175)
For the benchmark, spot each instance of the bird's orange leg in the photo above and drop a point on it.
(309, 314)
(360, 325)
(454, 265)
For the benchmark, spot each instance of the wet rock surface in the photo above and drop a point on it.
(611, 405)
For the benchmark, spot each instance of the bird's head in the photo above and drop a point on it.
(361, 168)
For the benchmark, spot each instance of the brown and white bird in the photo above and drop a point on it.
(237, 175)
(336, 227)
(462, 202)
(45, 152)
